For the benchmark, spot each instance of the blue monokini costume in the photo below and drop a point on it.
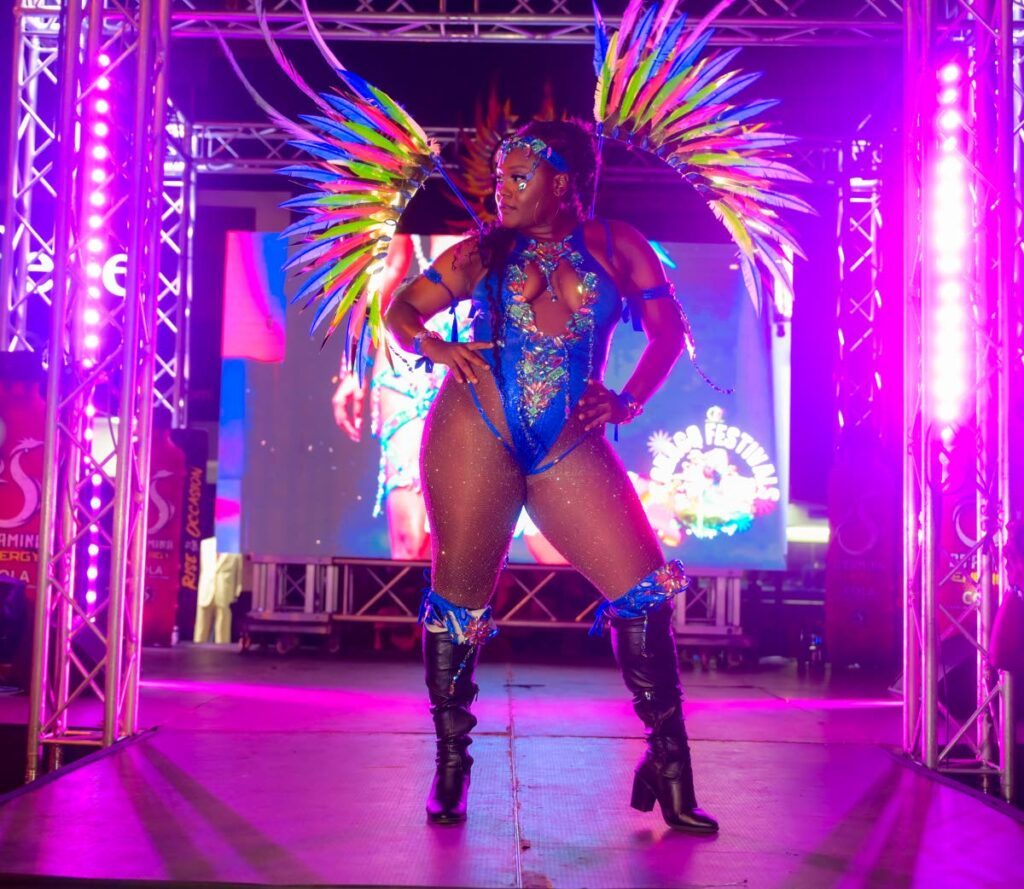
(542, 376)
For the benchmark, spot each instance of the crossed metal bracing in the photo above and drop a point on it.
(97, 328)
(760, 22)
(859, 302)
(975, 740)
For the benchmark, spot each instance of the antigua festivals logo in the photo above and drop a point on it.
(707, 481)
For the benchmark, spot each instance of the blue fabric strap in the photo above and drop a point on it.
(464, 628)
(434, 277)
(650, 593)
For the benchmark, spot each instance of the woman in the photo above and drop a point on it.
(520, 421)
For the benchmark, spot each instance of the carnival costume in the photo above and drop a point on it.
(517, 435)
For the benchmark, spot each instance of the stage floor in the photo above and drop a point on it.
(312, 772)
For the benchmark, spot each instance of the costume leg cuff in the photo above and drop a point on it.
(465, 626)
(655, 589)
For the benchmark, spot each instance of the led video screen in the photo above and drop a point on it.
(312, 465)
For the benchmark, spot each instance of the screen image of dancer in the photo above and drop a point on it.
(323, 456)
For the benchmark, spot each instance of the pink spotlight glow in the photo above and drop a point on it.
(103, 59)
(94, 502)
(95, 221)
(91, 316)
(100, 152)
(102, 106)
(90, 597)
(101, 128)
(950, 144)
(92, 572)
(94, 549)
(949, 96)
(97, 176)
(950, 119)
(102, 82)
(950, 73)
(97, 479)
(91, 341)
(93, 291)
(97, 199)
(94, 270)
(90, 410)
(951, 290)
(94, 245)
(88, 432)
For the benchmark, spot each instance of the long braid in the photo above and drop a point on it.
(495, 247)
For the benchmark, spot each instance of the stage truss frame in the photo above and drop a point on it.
(979, 745)
(43, 164)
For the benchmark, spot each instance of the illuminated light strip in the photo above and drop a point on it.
(950, 240)
(96, 151)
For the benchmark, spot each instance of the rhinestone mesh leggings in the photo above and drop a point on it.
(585, 505)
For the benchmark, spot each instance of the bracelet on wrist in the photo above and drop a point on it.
(632, 406)
(417, 341)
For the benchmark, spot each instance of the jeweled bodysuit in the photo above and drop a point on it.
(543, 375)
(514, 438)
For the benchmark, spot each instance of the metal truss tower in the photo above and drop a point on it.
(964, 46)
(82, 262)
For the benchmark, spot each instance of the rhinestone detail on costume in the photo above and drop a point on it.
(542, 372)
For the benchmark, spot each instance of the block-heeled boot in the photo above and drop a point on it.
(449, 669)
(646, 653)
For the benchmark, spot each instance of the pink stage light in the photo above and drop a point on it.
(950, 73)
(94, 549)
(94, 269)
(103, 82)
(94, 245)
(951, 336)
(101, 128)
(97, 199)
(102, 106)
(93, 291)
(91, 341)
(95, 221)
(103, 59)
(92, 572)
(97, 479)
(91, 316)
(950, 120)
(90, 597)
(95, 502)
(97, 176)
(100, 152)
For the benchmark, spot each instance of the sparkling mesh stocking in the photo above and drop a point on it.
(474, 492)
(587, 508)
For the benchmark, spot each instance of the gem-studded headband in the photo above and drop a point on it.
(536, 146)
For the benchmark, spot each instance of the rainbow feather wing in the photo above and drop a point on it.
(661, 90)
(368, 159)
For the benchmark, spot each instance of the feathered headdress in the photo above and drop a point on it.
(658, 90)
(369, 158)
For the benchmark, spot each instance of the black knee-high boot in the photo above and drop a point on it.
(451, 694)
(646, 653)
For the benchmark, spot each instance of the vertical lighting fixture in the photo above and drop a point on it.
(95, 247)
(950, 255)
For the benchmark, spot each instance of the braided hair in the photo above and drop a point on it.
(574, 141)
